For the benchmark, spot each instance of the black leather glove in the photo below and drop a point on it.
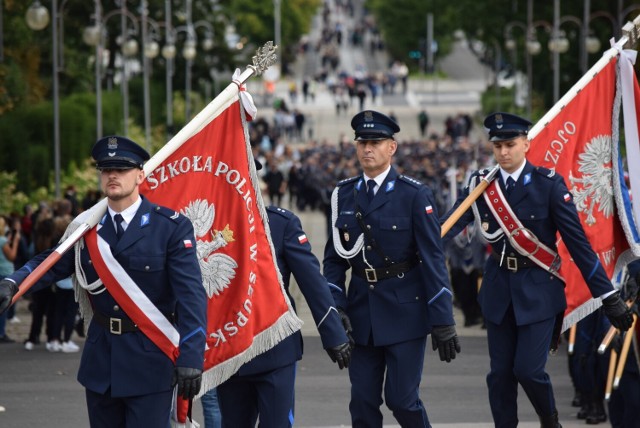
(617, 312)
(188, 380)
(346, 323)
(445, 340)
(8, 289)
(340, 354)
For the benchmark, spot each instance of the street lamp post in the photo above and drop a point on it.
(150, 50)
(189, 53)
(37, 19)
(169, 53)
(94, 36)
(511, 45)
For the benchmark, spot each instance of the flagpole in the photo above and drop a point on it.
(264, 58)
(629, 38)
(466, 203)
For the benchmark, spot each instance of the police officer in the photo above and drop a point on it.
(520, 300)
(146, 253)
(264, 387)
(625, 399)
(386, 230)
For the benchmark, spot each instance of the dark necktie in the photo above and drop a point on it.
(119, 229)
(370, 186)
(510, 185)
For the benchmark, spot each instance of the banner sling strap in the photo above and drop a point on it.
(520, 238)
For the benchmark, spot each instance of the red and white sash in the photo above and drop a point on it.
(131, 299)
(520, 238)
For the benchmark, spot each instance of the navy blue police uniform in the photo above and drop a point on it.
(128, 379)
(399, 285)
(264, 386)
(521, 301)
(625, 399)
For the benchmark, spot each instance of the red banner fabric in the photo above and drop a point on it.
(211, 179)
(577, 145)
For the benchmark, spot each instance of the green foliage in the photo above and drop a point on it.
(403, 24)
(10, 199)
(255, 18)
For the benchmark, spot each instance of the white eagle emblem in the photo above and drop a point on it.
(594, 188)
(217, 269)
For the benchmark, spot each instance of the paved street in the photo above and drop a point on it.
(39, 389)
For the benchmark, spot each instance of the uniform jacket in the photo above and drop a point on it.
(402, 218)
(294, 256)
(153, 253)
(544, 205)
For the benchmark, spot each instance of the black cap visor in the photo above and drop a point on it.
(117, 163)
(373, 137)
(506, 135)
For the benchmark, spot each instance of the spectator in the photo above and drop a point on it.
(423, 122)
(9, 242)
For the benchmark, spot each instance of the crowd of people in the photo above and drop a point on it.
(52, 306)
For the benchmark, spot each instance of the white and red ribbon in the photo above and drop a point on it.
(131, 299)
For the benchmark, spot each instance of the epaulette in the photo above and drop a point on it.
(348, 180)
(410, 180)
(545, 171)
(482, 172)
(167, 212)
(277, 210)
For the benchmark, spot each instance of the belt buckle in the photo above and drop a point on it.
(371, 275)
(115, 325)
(512, 264)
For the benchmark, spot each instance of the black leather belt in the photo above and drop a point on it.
(396, 269)
(115, 325)
(513, 263)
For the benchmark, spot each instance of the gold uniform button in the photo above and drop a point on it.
(368, 247)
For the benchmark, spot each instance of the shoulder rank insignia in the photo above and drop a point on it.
(410, 180)
(169, 213)
(348, 180)
(545, 171)
(280, 211)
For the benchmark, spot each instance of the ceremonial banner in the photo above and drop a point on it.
(577, 144)
(211, 179)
